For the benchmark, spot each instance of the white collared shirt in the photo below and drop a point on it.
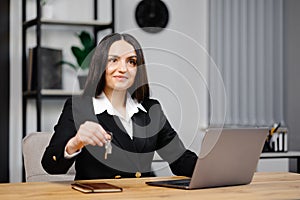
(101, 104)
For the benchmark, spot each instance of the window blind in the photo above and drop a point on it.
(246, 47)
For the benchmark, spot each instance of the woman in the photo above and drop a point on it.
(115, 106)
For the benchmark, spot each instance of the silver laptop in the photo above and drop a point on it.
(228, 157)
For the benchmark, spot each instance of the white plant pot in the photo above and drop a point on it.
(82, 80)
(82, 76)
(47, 12)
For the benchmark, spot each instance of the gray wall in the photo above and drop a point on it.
(292, 70)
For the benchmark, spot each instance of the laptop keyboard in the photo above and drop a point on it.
(179, 183)
(183, 182)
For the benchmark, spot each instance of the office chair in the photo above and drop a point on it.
(34, 145)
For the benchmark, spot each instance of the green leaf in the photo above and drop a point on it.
(87, 60)
(68, 63)
(79, 54)
(86, 40)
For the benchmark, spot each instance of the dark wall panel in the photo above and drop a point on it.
(4, 91)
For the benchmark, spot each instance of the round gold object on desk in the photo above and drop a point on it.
(138, 174)
(117, 177)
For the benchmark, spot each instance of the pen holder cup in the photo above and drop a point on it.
(276, 142)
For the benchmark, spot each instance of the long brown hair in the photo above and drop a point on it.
(96, 78)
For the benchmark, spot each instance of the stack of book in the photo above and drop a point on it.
(277, 140)
(48, 61)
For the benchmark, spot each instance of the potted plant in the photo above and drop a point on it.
(83, 56)
(47, 9)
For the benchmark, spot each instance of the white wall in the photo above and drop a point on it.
(176, 60)
(273, 165)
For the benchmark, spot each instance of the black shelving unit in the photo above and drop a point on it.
(39, 94)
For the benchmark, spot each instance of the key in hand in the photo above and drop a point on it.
(108, 148)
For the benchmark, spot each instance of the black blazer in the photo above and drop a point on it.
(151, 132)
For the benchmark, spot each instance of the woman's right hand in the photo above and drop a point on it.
(89, 133)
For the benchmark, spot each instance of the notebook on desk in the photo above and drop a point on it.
(228, 157)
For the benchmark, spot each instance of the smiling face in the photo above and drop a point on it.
(121, 67)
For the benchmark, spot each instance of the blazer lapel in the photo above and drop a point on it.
(83, 110)
(140, 121)
(120, 138)
(114, 125)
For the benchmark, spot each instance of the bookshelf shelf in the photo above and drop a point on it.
(91, 23)
(288, 154)
(51, 93)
